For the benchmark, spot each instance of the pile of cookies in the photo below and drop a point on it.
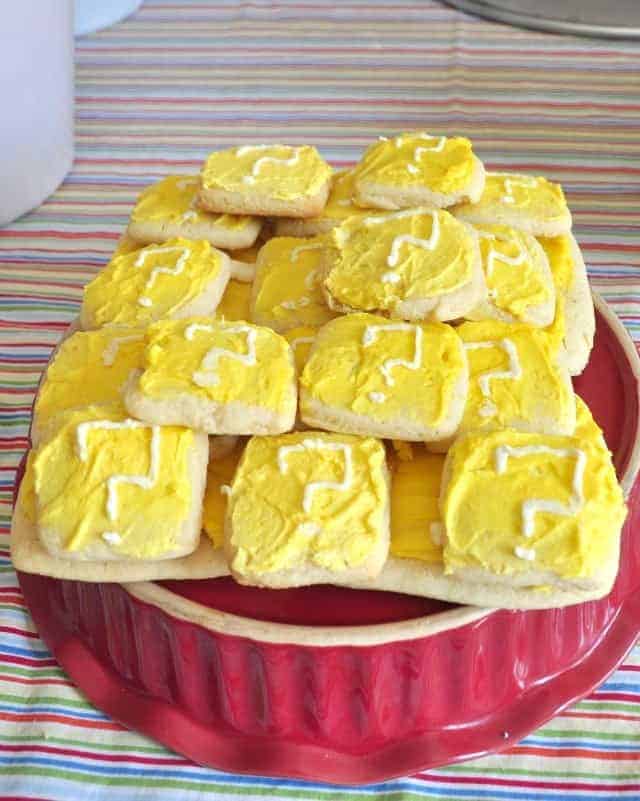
(359, 377)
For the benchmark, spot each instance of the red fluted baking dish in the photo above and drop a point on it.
(346, 685)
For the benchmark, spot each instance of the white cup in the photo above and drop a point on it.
(36, 88)
(93, 15)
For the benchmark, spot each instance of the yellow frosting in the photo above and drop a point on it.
(539, 198)
(220, 474)
(71, 484)
(235, 303)
(282, 171)
(558, 328)
(301, 339)
(403, 450)
(336, 527)
(176, 362)
(28, 491)
(514, 287)
(173, 200)
(483, 511)
(416, 529)
(286, 290)
(340, 204)
(125, 245)
(361, 276)
(90, 367)
(418, 159)
(586, 426)
(530, 387)
(357, 356)
(560, 256)
(126, 294)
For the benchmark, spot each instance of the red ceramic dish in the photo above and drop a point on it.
(344, 685)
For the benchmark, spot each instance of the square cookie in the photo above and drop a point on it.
(177, 279)
(124, 245)
(267, 180)
(215, 376)
(415, 565)
(306, 508)
(301, 340)
(416, 525)
(515, 381)
(524, 509)
(287, 287)
(418, 169)
(520, 286)
(167, 209)
(529, 203)
(88, 368)
(368, 375)
(573, 328)
(242, 270)
(235, 303)
(243, 262)
(417, 264)
(220, 473)
(29, 555)
(111, 488)
(340, 205)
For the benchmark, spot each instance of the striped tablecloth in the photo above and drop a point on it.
(154, 95)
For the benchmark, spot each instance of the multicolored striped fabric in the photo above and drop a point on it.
(154, 95)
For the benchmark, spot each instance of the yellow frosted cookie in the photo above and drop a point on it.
(417, 264)
(235, 303)
(404, 451)
(418, 169)
(561, 263)
(573, 328)
(220, 473)
(243, 262)
(339, 206)
(306, 508)
(529, 203)
(180, 278)
(215, 376)
(29, 555)
(524, 509)
(167, 209)
(111, 488)
(89, 368)
(301, 339)
(416, 563)
(125, 244)
(368, 375)
(515, 380)
(249, 255)
(520, 285)
(416, 528)
(286, 289)
(267, 180)
(27, 492)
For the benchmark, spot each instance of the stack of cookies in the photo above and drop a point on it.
(360, 378)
